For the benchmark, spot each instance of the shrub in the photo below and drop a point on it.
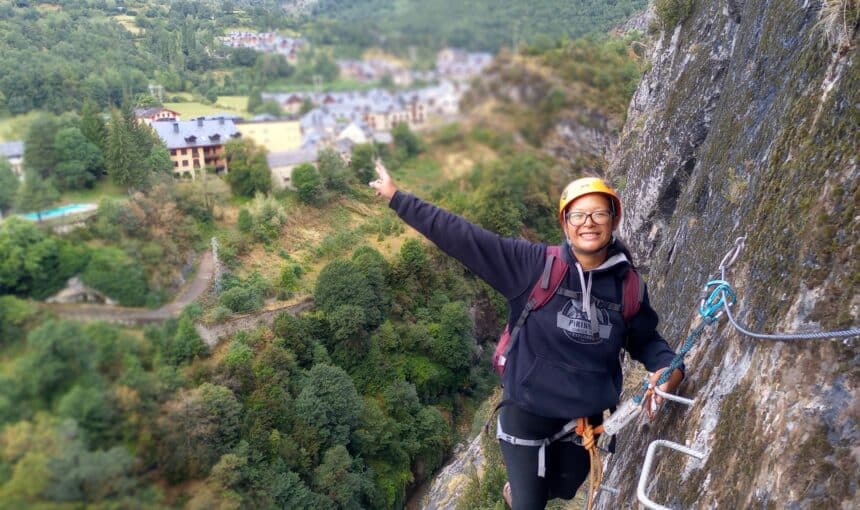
(267, 216)
(114, 272)
(672, 12)
(308, 183)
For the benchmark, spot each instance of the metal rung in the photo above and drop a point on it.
(674, 398)
(646, 469)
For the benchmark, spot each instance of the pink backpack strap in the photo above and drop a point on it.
(632, 293)
(554, 271)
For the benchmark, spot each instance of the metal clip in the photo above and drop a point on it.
(622, 416)
(732, 255)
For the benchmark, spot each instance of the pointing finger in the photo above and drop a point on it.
(381, 171)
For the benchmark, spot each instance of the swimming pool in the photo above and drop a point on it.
(60, 211)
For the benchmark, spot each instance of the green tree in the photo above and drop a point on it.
(375, 269)
(413, 258)
(249, 170)
(329, 405)
(185, 345)
(236, 369)
(308, 183)
(58, 353)
(406, 140)
(295, 337)
(288, 281)
(341, 283)
(333, 170)
(123, 154)
(35, 194)
(362, 163)
(93, 125)
(39, 153)
(255, 99)
(195, 429)
(32, 262)
(158, 160)
(80, 161)
(435, 433)
(78, 474)
(15, 316)
(94, 410)
(452, 347)
(8, 186)
(339, 477)
(245, 222)
(114, 272)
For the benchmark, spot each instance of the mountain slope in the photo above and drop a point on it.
(746, 124)
(480, 24)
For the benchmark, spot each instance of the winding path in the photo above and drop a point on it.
(210, 334)
(137, 316)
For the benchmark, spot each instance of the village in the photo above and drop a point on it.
(311, 120)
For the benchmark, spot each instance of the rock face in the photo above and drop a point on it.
(747, 124)
(449, 484)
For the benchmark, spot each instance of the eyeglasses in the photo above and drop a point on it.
(578, 218)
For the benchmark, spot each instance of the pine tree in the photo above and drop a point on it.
(39, 154)
(122, 157)
(93, 125)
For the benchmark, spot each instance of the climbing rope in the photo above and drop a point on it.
(725, 290)
(718, 297)
(595, 477)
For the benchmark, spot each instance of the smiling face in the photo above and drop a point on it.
(589, 240)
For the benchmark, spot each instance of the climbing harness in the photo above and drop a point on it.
(578, 431)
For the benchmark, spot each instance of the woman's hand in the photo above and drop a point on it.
(653, 401)
(384, 186)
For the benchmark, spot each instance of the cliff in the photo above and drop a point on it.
(747, 124)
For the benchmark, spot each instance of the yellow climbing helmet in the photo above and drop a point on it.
(585, 186)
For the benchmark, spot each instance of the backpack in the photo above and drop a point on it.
(554, 271)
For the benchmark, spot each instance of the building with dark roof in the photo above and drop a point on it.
(197, 143)
(14, 154)
(156, 114)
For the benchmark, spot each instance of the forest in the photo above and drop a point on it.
(347, 406)
(483, 25)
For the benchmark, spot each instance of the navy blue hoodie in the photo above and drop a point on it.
(561, 366)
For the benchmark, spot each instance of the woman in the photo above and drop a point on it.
(566, 361)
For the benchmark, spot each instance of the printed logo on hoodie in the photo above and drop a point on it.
(573, 320)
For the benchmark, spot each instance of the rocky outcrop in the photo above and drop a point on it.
(449, 484)
(747, 124)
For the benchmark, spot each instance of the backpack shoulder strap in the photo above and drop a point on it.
(632, 293)
(554, 271)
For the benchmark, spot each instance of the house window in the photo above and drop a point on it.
(173, 152)
(175, 164)
(182, 151)
(185, 162)
(196, 163)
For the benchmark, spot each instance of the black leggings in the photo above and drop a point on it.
(567, 463)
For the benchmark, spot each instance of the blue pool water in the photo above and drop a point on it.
(60, 211)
